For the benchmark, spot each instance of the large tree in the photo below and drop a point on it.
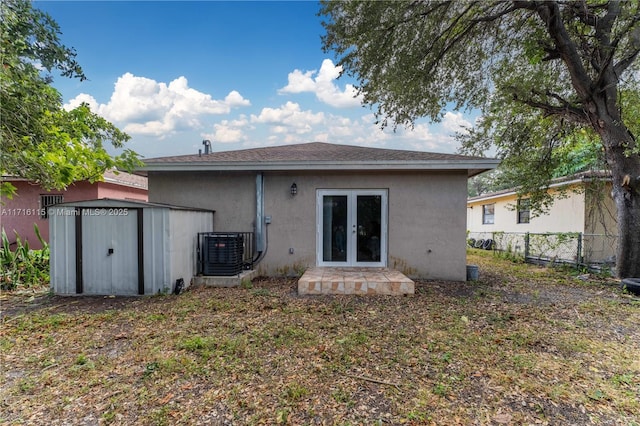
(41, 141)
(540, 71)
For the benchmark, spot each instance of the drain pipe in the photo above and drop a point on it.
(260, 228)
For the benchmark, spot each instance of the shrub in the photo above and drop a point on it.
(23, 266)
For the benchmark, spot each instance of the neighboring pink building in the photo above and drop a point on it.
(29, 204)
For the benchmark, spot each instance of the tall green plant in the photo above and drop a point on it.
(23, 267)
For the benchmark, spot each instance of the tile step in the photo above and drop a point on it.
(361, 281)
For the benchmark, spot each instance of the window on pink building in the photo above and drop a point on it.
(47, 201)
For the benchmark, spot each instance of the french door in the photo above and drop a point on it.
(351, 227)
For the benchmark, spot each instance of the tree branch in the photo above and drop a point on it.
(491, 18)
(625, 62)
(627, 29)
(549, 12)
(566, 110)
(581, 11)
(557, 97)
(601, 61)
(444, 34)
(456, 39)
(371, 379)
(424, 14)
(605, 24)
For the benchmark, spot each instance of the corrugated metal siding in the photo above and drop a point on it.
(168, 239)
(157, 276)
(184, 229)
(62, 231)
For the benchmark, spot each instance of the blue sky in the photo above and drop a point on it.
(241, 74)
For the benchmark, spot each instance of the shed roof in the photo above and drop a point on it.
(319, 156)
(117, 203)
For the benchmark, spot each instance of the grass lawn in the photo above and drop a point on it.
(523, 345)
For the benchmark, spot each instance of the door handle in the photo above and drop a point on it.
(109, 252)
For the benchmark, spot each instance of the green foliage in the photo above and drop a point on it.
(414, 58)
(579, 152)
(7, 190)
(556, 245)
(630, 112)
(23, 267)
(40, 140)
(294, 392)
(508, 246)
(485, 183)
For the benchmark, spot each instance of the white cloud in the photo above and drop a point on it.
(290, 124)
(153, 111)
(289, 118)
(79, 100)
(151, 128)
(147, 107)
(300, 82)
(235, 99)
(455, 122)
(422, 137)
(323, 86)
(229, 131)
(340, 127)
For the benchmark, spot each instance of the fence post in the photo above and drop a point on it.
(526, 246)
(579, 254)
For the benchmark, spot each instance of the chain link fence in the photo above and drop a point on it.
(594, 251)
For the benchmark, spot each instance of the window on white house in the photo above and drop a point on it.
(47, 201)
(488, 214)
(524, 207)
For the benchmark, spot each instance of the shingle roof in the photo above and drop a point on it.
(110, 176)
(126, 179)
(314, 151)
(318, 156)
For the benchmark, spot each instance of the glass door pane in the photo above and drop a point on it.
(369, 218)
(334, 224)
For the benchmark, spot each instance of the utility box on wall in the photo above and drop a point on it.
(121, 247)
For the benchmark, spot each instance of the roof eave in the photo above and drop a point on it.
(124, 183)
(472, 166)
(576, 179)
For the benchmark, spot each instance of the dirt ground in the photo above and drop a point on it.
(523, 345)
(20, 302)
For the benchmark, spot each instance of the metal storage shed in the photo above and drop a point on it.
(121, 247)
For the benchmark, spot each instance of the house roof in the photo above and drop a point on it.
(581, 177)
(319, 156)
(126, 179)
(110, 176)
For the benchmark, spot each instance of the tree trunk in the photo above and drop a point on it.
(625, 172)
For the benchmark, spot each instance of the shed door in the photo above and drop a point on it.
(109, 252)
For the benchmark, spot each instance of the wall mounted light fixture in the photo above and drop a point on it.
(294, 189)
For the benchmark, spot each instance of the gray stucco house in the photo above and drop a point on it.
(321, 204)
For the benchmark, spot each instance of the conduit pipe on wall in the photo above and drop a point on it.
(260, 228)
